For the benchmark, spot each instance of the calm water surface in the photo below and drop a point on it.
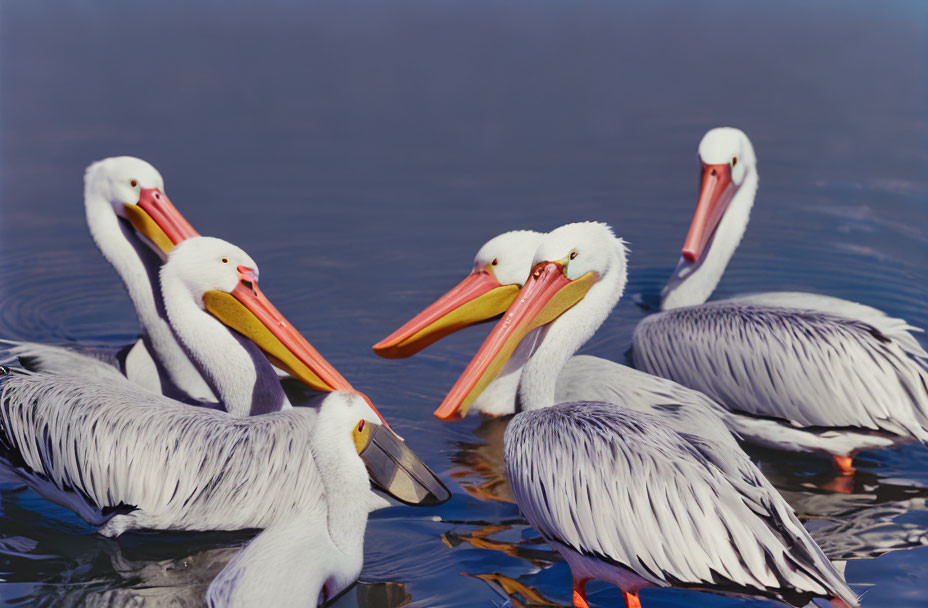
(362, 152)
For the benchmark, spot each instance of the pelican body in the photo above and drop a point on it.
(798, 371)
(621, 495)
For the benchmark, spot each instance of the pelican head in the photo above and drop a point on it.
(135, 190)
(348, 419)
(500, 269)
(728, 183)
(223, 281)
(574, 263)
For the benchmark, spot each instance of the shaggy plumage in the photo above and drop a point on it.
(665, 507)
(805, 367)
(124, 458)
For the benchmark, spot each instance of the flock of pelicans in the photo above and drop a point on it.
(634, 476)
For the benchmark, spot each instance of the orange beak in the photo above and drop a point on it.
(158, 220)
(546, 295)
(714, 196)
(477, 298)
(249, 312)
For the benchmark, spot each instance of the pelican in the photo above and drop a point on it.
(134, 225)
(501, 267)
(124, 458)
(620, 495)
(823, 374)
(92, 444)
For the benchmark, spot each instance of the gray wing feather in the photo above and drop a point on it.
(673, 508)
(62, 360)
(898, 330)
(810, 367)
(181, 467)
(587, 378)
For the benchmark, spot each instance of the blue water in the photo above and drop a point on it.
(363, 151)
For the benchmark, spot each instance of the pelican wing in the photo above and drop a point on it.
(809, 367)
(133, 362)
(587, 378)
(673, 508)
(110, 447)
(61, 360)
(898, 330)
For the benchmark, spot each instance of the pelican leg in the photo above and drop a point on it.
(631, 600)
(845, 464)
(580, 593)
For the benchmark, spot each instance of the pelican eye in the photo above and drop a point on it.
(361, 435)
(133, 183)
(494, 262)
(573, 254)
(224, 260)
(734, 161)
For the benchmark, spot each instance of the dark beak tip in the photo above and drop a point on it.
(443, 496)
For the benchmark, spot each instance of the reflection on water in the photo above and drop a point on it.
(517, 594)
(480, 466)
(861, 520)
(870, 531)
(361, 152)
(45, 567)
(492, 538)
(383, 595)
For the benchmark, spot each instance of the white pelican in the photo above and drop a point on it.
(72, 432)
(125, 458)
(620, 495)
(834, 376)
(501, 267)
(134, 224)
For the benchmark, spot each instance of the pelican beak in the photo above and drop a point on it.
(714, 196)
(249, 312)
(477, 298)
(158, 220)
(547, 294)
(396, 470)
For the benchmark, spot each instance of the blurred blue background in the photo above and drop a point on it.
(362, 152)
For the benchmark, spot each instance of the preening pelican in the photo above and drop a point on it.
(501, 267)
(134, 224)
(124, 458)
(623, 497)
(827, 375)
